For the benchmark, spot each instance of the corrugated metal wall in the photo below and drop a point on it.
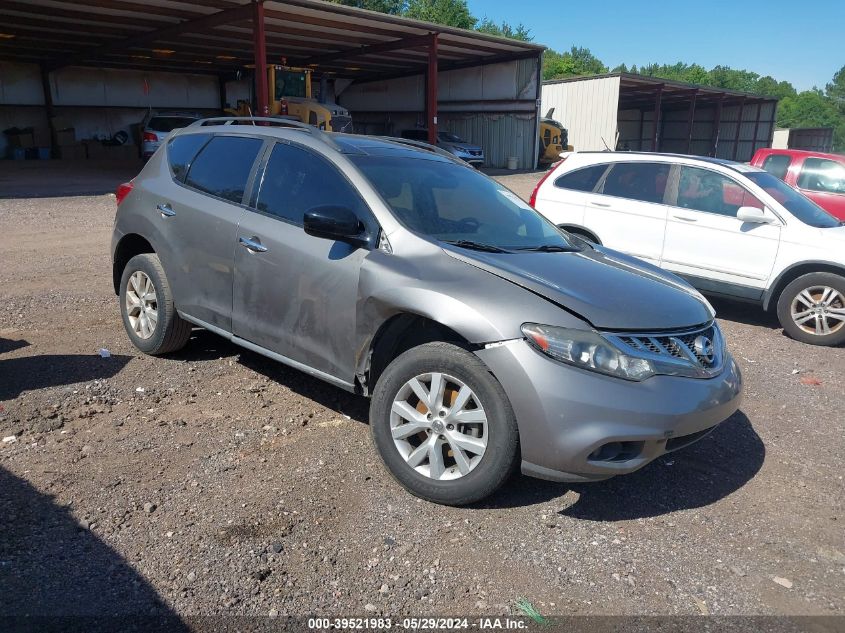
(493, 106)
(742, 148)
(587, 109)
(501, 135)
(97, 102)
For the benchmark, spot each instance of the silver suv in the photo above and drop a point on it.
(485, 336)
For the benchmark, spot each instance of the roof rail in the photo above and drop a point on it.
(425, 146)
(279, 121)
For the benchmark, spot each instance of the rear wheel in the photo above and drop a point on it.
(146, 303)
(443, 425)
(811, 309)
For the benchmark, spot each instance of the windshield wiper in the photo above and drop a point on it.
(477, 246)
(550, 248)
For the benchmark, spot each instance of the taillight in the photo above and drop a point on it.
(533, 199)
(122, 191)
(151, 137)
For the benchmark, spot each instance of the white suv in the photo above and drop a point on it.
(730, 229)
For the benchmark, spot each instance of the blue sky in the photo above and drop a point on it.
(800, 42)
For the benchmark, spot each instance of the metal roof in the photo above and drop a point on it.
(636, 91)
(215, 36)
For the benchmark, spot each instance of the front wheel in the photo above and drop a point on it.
(443, 425)
(811, 309)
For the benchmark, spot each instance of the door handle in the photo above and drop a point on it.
(685, 218)
(166, 210)
(252, 244)
(604, 205)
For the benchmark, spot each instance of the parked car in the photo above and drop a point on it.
(452, 143)
(819, 176)
(485, 336)
(156, 126)
(730, 229)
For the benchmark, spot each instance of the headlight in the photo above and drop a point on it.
(588, 350)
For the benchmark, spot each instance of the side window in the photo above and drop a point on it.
(581, 179)
(705, 190)
(297, 180)
(777, 165)
(820, 174)
(181, 151)
(223, 166)
(637, 181)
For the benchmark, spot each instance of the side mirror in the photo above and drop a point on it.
(753, 215)
(334, 223)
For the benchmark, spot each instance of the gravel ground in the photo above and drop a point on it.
(217, 482)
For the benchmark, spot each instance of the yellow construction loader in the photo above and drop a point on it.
(290, 94)
(554, 138)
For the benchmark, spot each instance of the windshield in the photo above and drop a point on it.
(456, 204)
(796, 203)
(449, 138)
(290, 84)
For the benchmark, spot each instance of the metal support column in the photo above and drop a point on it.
(655, 134)
(48, 103)
(431, 91)
(691, 120)
(738, 126)
(262, 97)
(717, 124)
(756, 129)
(640, 135)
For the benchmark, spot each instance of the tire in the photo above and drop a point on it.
(812, 297)
(458, 368)
(170, 332)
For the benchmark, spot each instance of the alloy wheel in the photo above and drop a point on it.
(141, 304)
(439, 426)
(819, 310)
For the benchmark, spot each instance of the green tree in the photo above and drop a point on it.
(447, 12)
(771, 87)
(504, 30)
(835, 90)
(395, 7)
(812, 108)
(577, 61)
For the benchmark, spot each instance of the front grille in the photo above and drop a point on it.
(699, 349)
(475, 152)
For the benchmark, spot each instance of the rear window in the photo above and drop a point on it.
(169, 123)
(222, 168)
(645, 182)
(821, 174)
(181, 151)
(581, 179)
(777, 165)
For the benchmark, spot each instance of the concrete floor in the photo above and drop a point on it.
(54, 178)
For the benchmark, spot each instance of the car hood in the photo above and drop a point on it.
(610, 290)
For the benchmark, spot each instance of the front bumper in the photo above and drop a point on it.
(568, 417)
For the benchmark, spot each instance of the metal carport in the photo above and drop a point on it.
(635, 112)
(221, 37)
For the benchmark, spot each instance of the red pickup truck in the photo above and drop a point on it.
(819, 176)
